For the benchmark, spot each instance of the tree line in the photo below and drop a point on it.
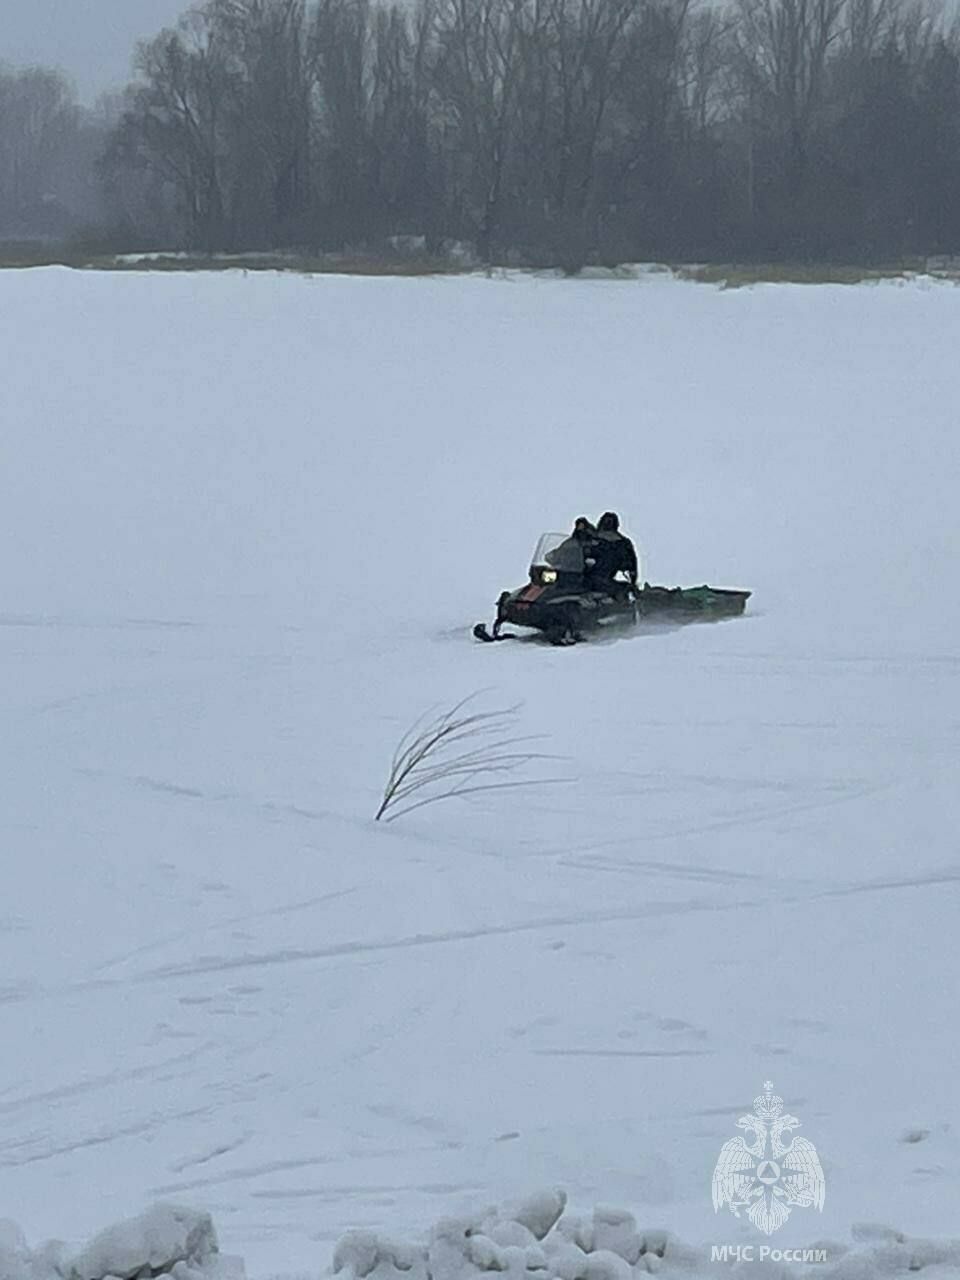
(49, 150)
(537, 131)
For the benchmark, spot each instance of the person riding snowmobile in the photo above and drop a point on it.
(575, 557)
(613, 553)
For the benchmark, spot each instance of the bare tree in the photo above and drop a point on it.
(592, 46)
(40, 126)
(275, 82)
(782, 48)
(477, 72)
(342, 40)
(177, 123)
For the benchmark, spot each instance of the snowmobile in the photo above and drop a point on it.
(564, 606)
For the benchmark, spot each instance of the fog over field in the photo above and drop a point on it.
(91, 40)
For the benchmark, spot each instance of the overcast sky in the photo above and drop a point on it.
(92, 40)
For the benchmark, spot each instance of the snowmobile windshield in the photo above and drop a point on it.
(549, 542)
(560, 552)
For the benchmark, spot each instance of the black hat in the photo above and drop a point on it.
(609, 520)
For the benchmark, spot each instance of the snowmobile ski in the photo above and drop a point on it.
(481, 633)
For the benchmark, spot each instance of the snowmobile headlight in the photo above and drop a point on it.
(548, 575)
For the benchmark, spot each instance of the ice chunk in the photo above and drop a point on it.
(12, 1239)
(511, 1232)
(539, 1212)
(655, 1243)
(608, 1246)
(14, 1254)
(447, 1256)
(485, 1253)
(356, 1253)
(50, 1260)
(578, 1230)
(517, 1261)
(363, 1253)
(149, 1245)
(603, 1264)
(566, 1261)
(616, 1230)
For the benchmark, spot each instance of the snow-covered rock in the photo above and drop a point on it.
(165, 1240)
(491, 1241)
(149, 1245)
(539, 1212)
(449, 1254)
(604, 1264)
(616, 1230)
(362, 1253)
(610, 1246)
(566, 1261)
(14, 1255)
(512, 1233)
(576, 1230)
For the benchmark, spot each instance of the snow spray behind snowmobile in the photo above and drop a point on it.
(563, 604)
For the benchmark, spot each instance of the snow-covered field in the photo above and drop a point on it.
(248, 522)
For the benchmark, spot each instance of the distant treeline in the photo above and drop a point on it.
(537, 131)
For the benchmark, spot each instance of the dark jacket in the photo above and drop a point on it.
(614, 553)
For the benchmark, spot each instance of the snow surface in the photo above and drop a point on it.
(248, 524)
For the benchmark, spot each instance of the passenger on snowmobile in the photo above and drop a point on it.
(613, 553)
(575, 556)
